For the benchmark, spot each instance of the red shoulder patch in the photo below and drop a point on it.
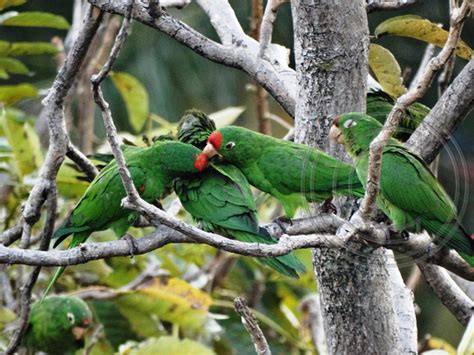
(201, 162)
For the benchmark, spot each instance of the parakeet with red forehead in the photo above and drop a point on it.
(410, 195)
(220, 198)
(153, 170)
(57, 325)
(293, 173)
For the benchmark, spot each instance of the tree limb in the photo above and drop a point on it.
(381, 5)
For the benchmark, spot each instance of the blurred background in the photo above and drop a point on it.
(178, 79)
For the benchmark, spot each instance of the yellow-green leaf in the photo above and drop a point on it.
(13, 66)
(8, 3)
(171, 300)
(386, 70)
(135, 96)
(226, 116)
(424, 30)
(166, 345)
(26, 48)
(34, 19)
(11, 94)
(69, 184)
(23, 141)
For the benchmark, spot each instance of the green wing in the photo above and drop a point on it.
(407, 183)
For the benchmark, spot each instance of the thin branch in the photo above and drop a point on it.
(448, 292)
(27, 288)
(425, 60)
(313, 318)
(393, 119)
(7, 291)
(266, 28)
(82, 162)
(251, 326)
(276, 77)
(11, 235)
(381, 5)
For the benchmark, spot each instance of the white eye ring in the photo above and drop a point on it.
(230, 145)
(350, 124)
(71, 317)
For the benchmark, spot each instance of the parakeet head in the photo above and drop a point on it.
(234, 144)
(194, 128)
(355, 131)
(179, 158)
(59, 320)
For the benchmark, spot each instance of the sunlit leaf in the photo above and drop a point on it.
(6, 315)
(171, 300)
(433, 343)
(386, 70)
(168, 345)
(23, 141)
(227, 116)
(33, 19)
(9, 3)
(11, 94)
(416, 27)
(135, 96)
(26, 48)
(13, 66)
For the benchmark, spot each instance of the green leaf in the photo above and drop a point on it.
(13, 66)
(424, 30)
(23, 141)
(9, 3)
(226, 116)
(11, 94)
(34, 19)
(26, 48)
(135, 96)
(168, 345)
(386, 69)
(69, 184)
(171, 300)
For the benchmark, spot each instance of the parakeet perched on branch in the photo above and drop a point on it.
(410, 195)
(57, 325)
(293, 173)
(153, 170)
(379, 105)
(221, 200)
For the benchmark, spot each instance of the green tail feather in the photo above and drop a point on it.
(288, 265)
(77, 239)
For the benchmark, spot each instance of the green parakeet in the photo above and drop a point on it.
(291, 172)
(220, 198)
(153, 170)
(379, 105)
(57, 325)
(410, 195)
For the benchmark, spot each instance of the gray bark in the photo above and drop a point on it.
(331, 39)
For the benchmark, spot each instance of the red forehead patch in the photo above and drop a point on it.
(215, 139)
(201, 162)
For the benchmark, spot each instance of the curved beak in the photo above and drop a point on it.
(79, 332)
(335, 135)
(210, 151)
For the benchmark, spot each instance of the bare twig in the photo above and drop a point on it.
(313, 318)
(95, 337)
(393, 119)
(427, 55)
(27, 288)
(381, 5)
(266, 28)
(7, 291)
(251, 326)
(82, 162)
(11, 235)
(448, 292)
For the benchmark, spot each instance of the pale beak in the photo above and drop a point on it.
(78, 332)
(210, 151)
(335, 135)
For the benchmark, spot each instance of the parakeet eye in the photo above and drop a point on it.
(350, 124)
(230, 145)
(71, 318)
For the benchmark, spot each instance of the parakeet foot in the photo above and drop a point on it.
(283, 222)
(132, 244)
(328, 207)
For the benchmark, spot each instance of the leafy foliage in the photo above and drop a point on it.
(386, 70)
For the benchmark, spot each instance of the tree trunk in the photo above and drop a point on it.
(356, 288)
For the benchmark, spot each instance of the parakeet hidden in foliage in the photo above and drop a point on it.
(57, 325)
(153, 170)
(410, 195)
(293, 173)
(220, 198)
(379, 105)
